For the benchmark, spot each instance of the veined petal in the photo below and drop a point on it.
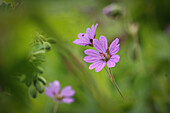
(104, 42)
(113, 45)
(113, 60)
(89, 33)
(111, 63)
(91, 59)
(92, 66)
(98, 65)
(114, 50)
(93, 30)
(91, 52)
(80, 35)
(98, 46)
(82, 41)
(67, 91)
(67, 100)
(79, 42)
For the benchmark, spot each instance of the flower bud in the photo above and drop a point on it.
(47, 46)
(40, 69)
(33, 91)
(28, 83)
(38, 52)
(113, 10)
(39, 86)
(42, 79)
(133, 29)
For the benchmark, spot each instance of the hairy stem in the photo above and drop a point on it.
(107, 72)
(55, 108)
(113, 80)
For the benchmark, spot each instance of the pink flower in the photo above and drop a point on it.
(168, 29)
(59, 95)
(103, 55)
(87, 38)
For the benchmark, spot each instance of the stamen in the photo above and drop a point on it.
(105, 56)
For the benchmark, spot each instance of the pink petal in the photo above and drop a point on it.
(80, 35)
(98, 65)
(114, 59)
(113, 45)
(111, 63)
(96, 27)
(67, 100)
(89, 33)
(98, 46)
(91, 59)
(93, 31)
(92, 66)
(103, 42)
(49, 92)
(55, 87)
(79, 42)
(114, 50)
(67, 91)
(91, 52)
(92, 27)
(82, 41)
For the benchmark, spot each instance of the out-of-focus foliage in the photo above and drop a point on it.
(143, 72)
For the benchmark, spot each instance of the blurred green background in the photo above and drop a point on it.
(143, 72)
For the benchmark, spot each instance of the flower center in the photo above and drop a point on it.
(106, 56)
(59, 97)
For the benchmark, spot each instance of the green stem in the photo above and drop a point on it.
(114, 82)
(55, 108)
(107, 72)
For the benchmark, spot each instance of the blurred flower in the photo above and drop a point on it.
(59, 95)
(87, 38)
(133, 29)
(113, 10)
(103, 55)
(168, 29)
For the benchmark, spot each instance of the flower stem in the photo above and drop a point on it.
(113, 80)
(55, 108)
